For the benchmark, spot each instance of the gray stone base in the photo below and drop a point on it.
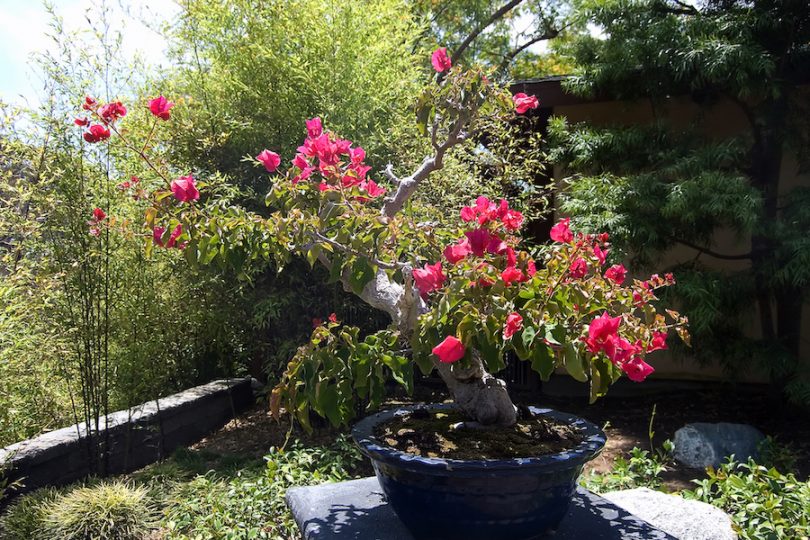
(682, 518)
(357, 510)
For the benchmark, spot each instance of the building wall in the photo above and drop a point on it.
(722, 120)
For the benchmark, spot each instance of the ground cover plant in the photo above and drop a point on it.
(763, 502)
(195, 494)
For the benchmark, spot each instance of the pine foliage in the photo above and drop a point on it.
(658, 186)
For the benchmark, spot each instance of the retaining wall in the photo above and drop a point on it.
(136, 437)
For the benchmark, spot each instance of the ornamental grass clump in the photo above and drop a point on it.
(460, 296)
(107, 511)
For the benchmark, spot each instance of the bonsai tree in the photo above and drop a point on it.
(459, 296)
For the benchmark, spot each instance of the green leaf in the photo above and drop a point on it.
(361, 274)
(543, 361)
(527, 337)
(573, 363)
(327, 397)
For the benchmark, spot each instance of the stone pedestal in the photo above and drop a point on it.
(357, 510)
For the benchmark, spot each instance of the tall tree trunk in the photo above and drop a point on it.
(779, 308)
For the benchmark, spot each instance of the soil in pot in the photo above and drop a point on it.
(446, 434)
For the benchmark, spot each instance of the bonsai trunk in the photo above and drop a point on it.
(478, 393)
(482, 396)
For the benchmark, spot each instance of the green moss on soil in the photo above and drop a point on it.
(434, 435)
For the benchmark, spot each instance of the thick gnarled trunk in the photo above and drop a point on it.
(481, 395)
(478, 393)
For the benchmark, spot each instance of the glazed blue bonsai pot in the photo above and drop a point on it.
(503, 499)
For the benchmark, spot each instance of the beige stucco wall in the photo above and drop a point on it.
(722, 120)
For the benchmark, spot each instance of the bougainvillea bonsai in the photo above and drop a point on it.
(460, 297)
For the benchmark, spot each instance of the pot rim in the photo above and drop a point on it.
(591, 445)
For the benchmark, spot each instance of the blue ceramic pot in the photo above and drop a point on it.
(503, 499)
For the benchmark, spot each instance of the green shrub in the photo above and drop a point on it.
(107, 511)
(24, 519)
(641, 469)
(773, 453)
(763, 503)
(251, 504)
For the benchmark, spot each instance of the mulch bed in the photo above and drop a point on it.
(626, 421)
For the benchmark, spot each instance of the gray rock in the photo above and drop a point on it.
(679, 517)
(700, 445)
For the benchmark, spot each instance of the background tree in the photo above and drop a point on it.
(492, 34)
(655, 187)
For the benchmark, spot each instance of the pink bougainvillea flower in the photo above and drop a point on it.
(314, 127)
(161, 107)
(531, 268)
(496, 245)
(659, 342)
(185, 189)
(89, 103)
(511, 257)
(81, 122)
(619, 350)
(371, 187)
(458, 251)
(343, 146)
(601, 331)
(95, 231)
(112, 111)
(601, 255)
(467, 214)
(523, 102)
(96, 133)
(429, 278)
(440, 60)
(637, 369)
(638, 300)
(511, 275)
(357, 155)
(157, 235)
(579, 268)
(269, 159)
(561, 231)
(305, 173)
(326, 149)
(479, 240)
(616, 274)
(176, 233)
(514, 322)
(300, 161)
(450, 350)
(98, 214)
(670, 279)
(512, 220)
(360, 169)
(333, 318)
(484, 205)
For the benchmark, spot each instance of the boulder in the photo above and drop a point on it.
(679, 517)
(699, 445)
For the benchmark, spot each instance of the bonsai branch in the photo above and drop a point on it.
(346, 249)
(407, 186)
